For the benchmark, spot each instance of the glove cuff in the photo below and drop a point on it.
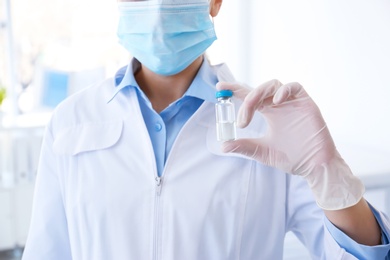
(334, 186)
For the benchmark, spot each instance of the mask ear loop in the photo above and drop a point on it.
(211, 17)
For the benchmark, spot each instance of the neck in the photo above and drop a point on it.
(163, 90)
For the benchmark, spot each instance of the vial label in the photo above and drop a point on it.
(226, 131)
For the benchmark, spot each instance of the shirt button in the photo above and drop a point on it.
(158, 127)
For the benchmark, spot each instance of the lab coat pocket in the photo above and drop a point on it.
(87, 137)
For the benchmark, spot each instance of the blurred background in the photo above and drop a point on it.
(338, 50)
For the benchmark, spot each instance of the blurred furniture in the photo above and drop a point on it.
(20, 143)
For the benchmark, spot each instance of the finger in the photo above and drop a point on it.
(288, 92)
(256, 100)
(248, 147)
(240, 91)
(263, 92)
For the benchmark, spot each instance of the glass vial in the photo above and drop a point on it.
(225, 116)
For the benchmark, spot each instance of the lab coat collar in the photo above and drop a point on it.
(202, 87)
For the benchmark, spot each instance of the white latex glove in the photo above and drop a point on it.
(297, 141)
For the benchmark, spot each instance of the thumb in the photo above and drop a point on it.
(252, 148)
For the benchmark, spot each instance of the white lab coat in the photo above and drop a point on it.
(97, 197)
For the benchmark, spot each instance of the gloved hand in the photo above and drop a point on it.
(297, 141)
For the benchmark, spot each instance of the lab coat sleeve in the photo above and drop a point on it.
(48, 235)
(362, 251)
(323, 240)
(305, 219)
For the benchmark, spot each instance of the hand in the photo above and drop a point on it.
(297, 138)
(297, 141)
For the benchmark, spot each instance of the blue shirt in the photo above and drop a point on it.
(163, 129)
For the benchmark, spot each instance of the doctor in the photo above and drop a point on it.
(130, 168)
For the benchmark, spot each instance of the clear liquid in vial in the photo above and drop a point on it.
(226, 131)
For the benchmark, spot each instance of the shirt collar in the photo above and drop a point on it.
(202, 87)
(124, 77)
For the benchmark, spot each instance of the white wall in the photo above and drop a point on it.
(339, 51)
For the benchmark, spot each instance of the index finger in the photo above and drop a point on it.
(256, 100)
(240, 91)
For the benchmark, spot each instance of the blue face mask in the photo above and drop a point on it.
(165, 38)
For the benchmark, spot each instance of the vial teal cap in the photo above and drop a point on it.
(224, 93)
